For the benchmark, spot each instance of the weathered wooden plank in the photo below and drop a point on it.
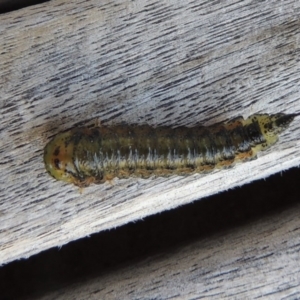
(154, 62)
(258, 260)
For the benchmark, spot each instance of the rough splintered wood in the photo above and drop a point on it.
(156, 62)
(254, 261)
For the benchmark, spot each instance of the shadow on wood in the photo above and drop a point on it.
(94, 258)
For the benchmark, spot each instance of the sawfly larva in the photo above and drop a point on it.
(93, 155)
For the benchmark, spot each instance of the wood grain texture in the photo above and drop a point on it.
(259, 260)
(142, 62)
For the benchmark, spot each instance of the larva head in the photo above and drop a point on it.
(58, 155)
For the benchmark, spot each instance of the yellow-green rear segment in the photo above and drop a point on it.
(270, 126)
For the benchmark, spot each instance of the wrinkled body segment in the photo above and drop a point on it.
(93, 155)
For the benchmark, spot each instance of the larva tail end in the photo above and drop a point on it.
(283, 121)
(270, 127)
(278, 123)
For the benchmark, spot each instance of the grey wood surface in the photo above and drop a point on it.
(255, 261)
(155, 62)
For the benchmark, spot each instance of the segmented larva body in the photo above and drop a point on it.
(93, 155)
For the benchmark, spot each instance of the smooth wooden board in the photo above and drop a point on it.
(154, 62)
(258, 260)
